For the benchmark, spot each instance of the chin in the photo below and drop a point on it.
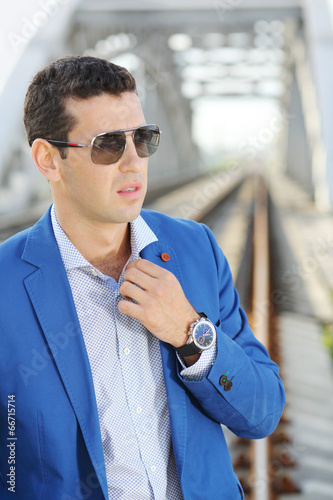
(127, 215)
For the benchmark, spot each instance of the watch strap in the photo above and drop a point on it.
(190, 349)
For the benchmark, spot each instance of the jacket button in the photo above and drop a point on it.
(223, 380)
(228, 385)
(165, 256)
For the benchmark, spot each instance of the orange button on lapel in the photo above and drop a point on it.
(165, 256)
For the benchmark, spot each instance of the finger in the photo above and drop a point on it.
(132, 291)
(146, 267)
(130, 309)
(139, 278)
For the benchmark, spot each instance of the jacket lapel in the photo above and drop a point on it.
(176, 391)
(51, 297)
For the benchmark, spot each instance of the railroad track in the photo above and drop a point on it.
(261, 464)
(239, 218)
(241, 213)
(296, 462)
(258, 463)
(245, 222)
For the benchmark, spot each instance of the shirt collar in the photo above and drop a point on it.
(141, 236)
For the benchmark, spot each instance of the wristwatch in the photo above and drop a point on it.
(201, 336)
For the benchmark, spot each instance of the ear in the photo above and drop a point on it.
(46, 158)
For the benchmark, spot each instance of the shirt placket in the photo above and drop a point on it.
(139, 377)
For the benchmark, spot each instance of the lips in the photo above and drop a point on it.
(131, 190)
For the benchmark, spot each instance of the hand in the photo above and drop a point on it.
(159, 301)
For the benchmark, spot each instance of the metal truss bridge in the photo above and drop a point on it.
(180, 52)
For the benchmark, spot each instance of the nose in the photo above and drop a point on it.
(130, 161)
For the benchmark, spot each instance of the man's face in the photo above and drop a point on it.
(98, 193)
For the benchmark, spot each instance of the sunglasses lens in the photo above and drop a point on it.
(108, 148)
(146, 140)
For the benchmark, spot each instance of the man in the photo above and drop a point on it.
(123, 346)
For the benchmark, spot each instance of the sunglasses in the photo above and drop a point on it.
(108, 148)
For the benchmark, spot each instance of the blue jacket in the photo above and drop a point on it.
(50, 448)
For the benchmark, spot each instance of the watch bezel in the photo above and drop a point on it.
(191, 347)
(195, 327)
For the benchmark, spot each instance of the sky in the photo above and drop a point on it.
(231, 124)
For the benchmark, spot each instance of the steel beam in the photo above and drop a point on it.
(198, 21)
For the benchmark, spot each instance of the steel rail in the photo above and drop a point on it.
(261, 323)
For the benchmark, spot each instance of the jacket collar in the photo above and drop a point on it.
(164, 255)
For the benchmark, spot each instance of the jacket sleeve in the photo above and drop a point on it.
(251, 407)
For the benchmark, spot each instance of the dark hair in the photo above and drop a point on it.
(80, 77)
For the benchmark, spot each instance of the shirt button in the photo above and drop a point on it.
(94, 272)
(126, 351)
(139, 409)
(165, 257)
(153, 468)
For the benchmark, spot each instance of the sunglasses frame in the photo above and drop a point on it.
(64, 144)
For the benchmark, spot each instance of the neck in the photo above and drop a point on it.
(106, 246)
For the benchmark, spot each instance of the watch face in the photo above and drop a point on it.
(204, 334)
